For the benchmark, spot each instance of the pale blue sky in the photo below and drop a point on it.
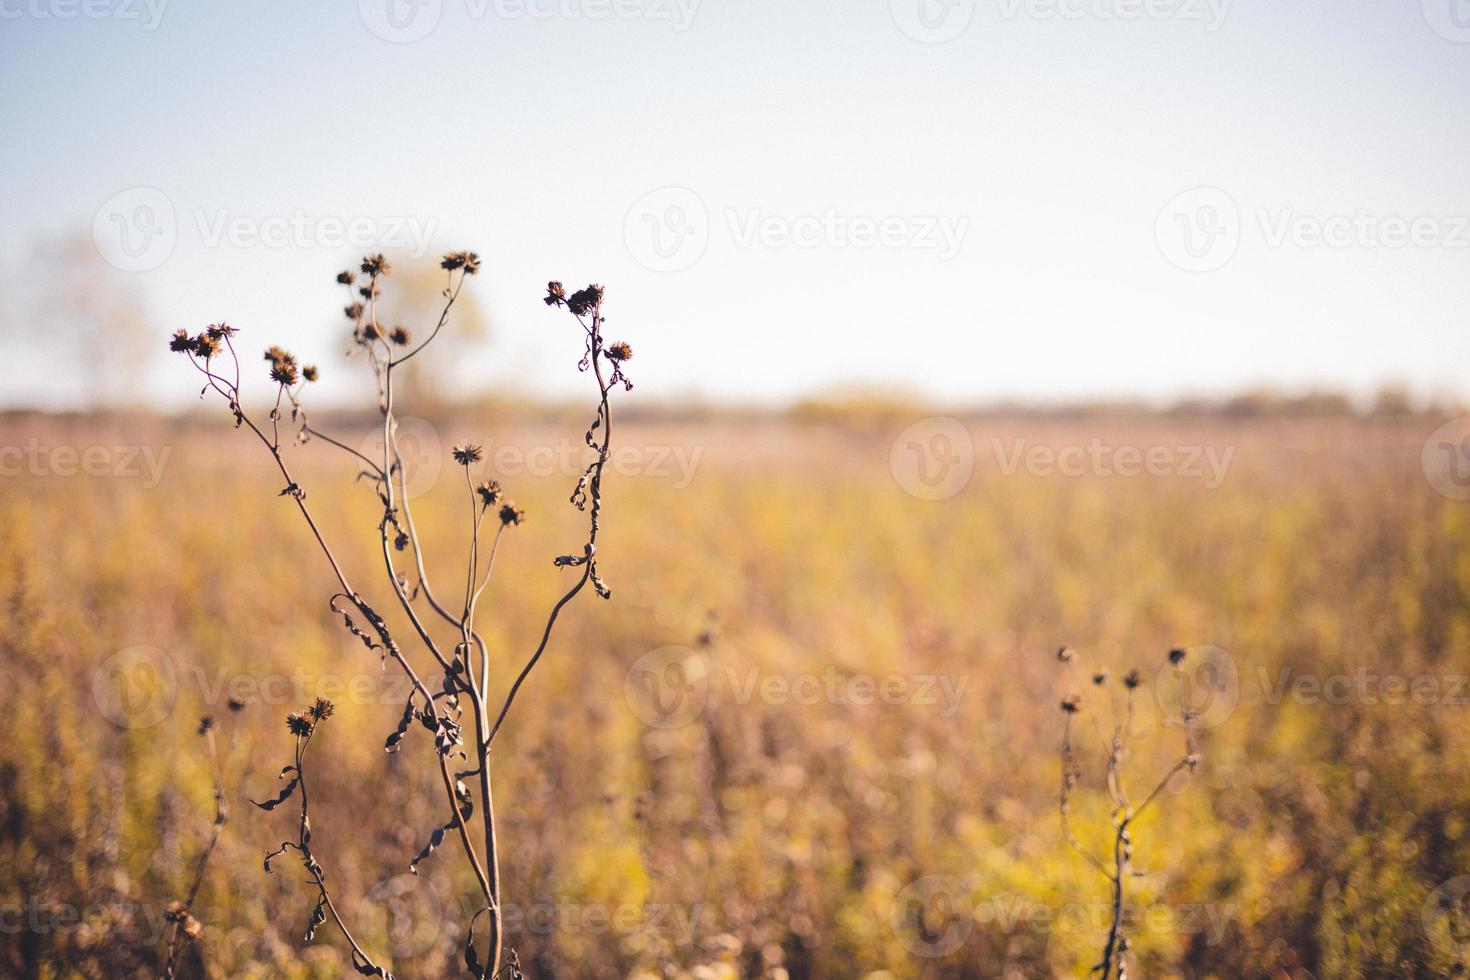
(1048, 144)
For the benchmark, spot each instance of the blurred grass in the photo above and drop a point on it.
(764, 835)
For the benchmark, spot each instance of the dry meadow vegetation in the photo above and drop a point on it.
(762, 813)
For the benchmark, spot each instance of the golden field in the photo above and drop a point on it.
(846, 767)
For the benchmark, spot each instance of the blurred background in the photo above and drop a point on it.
(962, 331)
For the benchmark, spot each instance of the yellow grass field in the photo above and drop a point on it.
(815, 732)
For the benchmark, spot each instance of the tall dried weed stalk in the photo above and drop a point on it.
(450, 680)
(1117, 866)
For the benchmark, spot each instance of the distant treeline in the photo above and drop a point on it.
(880, 409)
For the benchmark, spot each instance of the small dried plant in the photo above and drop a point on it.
(184, 927)
(453, 703)
(1118, 867)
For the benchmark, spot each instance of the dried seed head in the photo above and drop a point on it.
(556, 294)
(235, 704)
(399, 336)
(283, 366)
(206, 724)
(489, 492)
(376, 265)
(1175, 656)
(510, 514)
(298, 725)
(1100, 678)
(1133, 679)
(464, 454)
(181, 342)
(620, 352)
(352, 311)
(1063, 654)
(219, 331)
(1072, 704)
(206, 345)
(468, 261)
(309, 372)
(585, 301)
(321, 709)
(347, 277)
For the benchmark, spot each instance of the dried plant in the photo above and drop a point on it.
(185, 928)
(1118, 867)
(462, 664)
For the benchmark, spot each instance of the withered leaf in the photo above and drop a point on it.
(282, 797)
